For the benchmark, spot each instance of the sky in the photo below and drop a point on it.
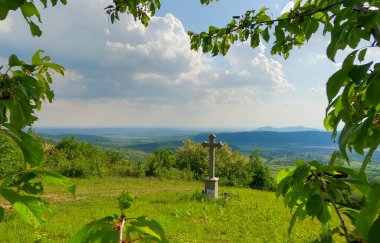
(126, 75)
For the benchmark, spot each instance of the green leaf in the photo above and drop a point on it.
(297, 4)
(314, 204)
(335, 43)
(369, 212)
(14, 61)
(97, 231)
(333, 158)
(44, 2)
(373, 91)
(296, 214)
(351, 214)
(36, 58)
(374, 232)
(283, 186)
(145, 230)
(30, 208)
(14, 4)
(263, 9)
(53, 2)
(284, 173)
(36, 31)
(319, 15)
(28, 9)
(335, 82)
(359, 72)
(3, 10)
(212, 29)
(30, 148)
(58, 68)
(280, 35)
(349, 60)
(149, 227)
(125, 200)
(255, 40)
(265, 34)
(324, 215)
(49, 176)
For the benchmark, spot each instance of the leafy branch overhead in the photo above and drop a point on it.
(347, 23)
(29, 11)
(23, 88)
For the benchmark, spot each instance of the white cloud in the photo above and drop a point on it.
(373, 54)
(317, 90)
(125, 74)
(155, 64)
(287, 7)
(6, 25)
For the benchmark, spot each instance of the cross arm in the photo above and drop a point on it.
(205, 144)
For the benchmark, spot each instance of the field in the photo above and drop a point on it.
(245, 216)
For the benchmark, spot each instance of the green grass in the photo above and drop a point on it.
(246, 216)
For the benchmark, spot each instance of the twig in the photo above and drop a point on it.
(121, 240)
(336, 210)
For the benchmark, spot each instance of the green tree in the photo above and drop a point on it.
(161, 159)
(194, 157)
(261, 178)
(231, 167)
(313, 189)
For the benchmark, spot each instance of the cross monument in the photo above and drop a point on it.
(211, 183)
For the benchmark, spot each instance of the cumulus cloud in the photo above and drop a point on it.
(287, 7)
(154, 64)
(126, 74)
(317, 90)
(6, 25)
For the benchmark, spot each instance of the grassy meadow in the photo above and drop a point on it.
(245, 216)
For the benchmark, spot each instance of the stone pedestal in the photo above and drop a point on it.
(211, 186)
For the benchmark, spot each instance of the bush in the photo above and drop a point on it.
(261, 178)
(123, 169)
(193, 157)
(11, 158)
(79, 159)
(161, 159)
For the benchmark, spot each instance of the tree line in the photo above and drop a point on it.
(73, 158)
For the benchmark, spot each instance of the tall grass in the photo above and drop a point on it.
(243, 215)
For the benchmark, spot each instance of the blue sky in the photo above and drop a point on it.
(127, 75)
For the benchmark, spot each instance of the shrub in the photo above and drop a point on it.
(261, 178)
(123, 169)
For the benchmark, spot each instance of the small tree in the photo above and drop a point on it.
(261, 178)
(194, 157)
(161, 159)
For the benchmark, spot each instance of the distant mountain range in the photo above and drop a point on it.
(148, 139)
(270, 138)
(292, 142)
(287, 129)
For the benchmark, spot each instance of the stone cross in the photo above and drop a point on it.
(211, 186)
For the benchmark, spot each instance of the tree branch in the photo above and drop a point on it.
(121, 229)
(324, 185)
(268, 22)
